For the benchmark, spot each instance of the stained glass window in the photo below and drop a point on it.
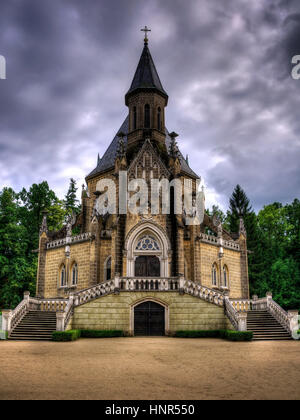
(147, 243)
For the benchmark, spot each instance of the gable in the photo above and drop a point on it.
(148, 164)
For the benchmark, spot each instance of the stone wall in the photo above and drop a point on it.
(115, 312)
(79, 253)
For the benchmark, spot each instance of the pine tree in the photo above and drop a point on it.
(239, 206)
(71, 203)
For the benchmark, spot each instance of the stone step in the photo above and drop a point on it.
(36, 325)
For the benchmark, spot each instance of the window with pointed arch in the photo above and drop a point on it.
(107, 269)
(62, 276)
(214, 272)
(74, 274)
(159, 118)
(225, 276)
(134, 117)
(147, 116)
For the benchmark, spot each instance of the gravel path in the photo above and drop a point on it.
(149, 368)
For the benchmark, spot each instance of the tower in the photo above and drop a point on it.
(146, 100)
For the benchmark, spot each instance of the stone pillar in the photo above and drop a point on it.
(180, 251)
(242, 321)
(6, 319)
(269, 297)
(117, 284)
(60, 321)
(294, 323)
(244, 266)
(181, 283)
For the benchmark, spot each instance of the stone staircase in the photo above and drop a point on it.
(35, 325)
(265, 326)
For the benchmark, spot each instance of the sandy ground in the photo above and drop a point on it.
(149, 368)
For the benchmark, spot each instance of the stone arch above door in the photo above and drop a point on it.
(159, 245)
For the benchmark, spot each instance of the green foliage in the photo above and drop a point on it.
(71, 203)
(273, 239)
(101, 333)
(20, 220)
(221, 216)
(226, 334)
(70, 335)
(197, 334)
(237, 335)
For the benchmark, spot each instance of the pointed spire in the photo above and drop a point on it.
(187, 159)
(242, 229)
(98, 159)
(121, 151)
(146, 76)
(44, 225)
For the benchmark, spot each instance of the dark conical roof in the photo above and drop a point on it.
(107, 161)
(146, 76)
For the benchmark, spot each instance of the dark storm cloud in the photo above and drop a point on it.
(226, 68)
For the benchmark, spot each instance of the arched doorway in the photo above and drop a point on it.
(145, 240)
(149, 319)
(147, 266)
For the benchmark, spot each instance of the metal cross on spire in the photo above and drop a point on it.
(146, 36)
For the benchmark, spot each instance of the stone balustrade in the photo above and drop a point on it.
(210, 295)
(94, 292)
(149, 284)
(235, 309)
(238, 319)
(241, 305)
(69, 240)
(214, 240)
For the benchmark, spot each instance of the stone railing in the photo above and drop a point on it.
(209, 238)
(69, 240)
(12, 318)
(52, 305)
(202, 292)
(149, 284)
(219, 241)
(230, 244)
(241, 305)
(63, 317)
(94, 292)
(238, 319)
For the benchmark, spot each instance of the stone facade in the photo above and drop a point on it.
(115, 312)
(107, 245)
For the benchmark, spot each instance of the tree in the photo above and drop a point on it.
(239, 206)
(17, 269)
(32, 203)
(71, 203)
(220, 214)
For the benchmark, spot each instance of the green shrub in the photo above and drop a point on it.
(70, 335)
(238, 335)
(101, 333)
(226, 334)
(197, 334)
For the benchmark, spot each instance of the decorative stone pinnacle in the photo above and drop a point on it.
(121, 152)
(44, 226)
(173, 150)
(242, 229)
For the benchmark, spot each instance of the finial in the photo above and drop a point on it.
(146, 36)
(44, 226)
(187, 159)
(98, 159)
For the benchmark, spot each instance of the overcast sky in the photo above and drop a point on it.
(226, 66)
